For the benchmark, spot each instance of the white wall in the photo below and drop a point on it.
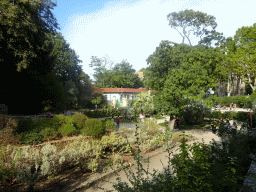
(110, 96)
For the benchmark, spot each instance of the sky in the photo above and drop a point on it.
(132, 29)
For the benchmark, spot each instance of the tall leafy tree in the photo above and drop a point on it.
(196, 73)
(23, 28)
(241, 53)
(101, 66)
(23, 25)
(191, 21)
(168, 55)
(125, 77)
(85, 88)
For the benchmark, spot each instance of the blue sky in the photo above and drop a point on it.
(132, 29)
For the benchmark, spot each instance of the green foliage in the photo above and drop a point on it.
(190, 72)
(49, 134)
(241, 55)
(144, 102)
(79, 120)
(121, 75)
(102, 113)
(157, 116)
(31, 137)
(149, 127)
(93, 127)
(192, 113)
(25, 125)
(67, 129)
(193, 20)
(110, 124)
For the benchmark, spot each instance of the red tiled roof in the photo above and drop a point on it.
(123, 90)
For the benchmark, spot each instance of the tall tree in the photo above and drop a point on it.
(168, 55)
(23, 28)
(23, 25)
(101, 66)
(191, 21)
(241, 54)
(125, 77)
(195, 74)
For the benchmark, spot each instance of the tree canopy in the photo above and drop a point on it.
(191, 21)
(241, 55)
(38, 59)
(121, 75)
(175, 80)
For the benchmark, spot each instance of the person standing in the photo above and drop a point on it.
(176, 123)
(112, 119)
(141, 116)
(234, 106)
(117, 122)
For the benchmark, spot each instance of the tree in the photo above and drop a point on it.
(212, 37)
(241, 53)
(193, 21)
(167, 56)
(23, 25)
(85, 90)
(124, 76)
(196, 73)
(23, 57)
(144, 102)
(100, 66)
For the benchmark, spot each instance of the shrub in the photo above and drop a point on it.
(42, 123)
(67, 129)
(93, 165)
(25, 125)
(110, 124)
(192, 113)
(93, 128)
(31, 138)
(49, 133)
(149, 127)
(79, 120)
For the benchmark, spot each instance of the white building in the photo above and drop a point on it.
(121, 96)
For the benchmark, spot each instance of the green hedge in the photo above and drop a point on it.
(102, 113)
(93, 128)
(239, 116)
(240, 101)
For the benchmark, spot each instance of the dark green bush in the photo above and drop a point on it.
(49, 133)
(79, 120)
(25, 125)
(59, 120)
(42, 123)
(192, 114)
(93, 128)
(31, 138)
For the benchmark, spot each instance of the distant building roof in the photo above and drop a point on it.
(124, 90)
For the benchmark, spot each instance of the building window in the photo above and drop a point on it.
(127, 96)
